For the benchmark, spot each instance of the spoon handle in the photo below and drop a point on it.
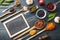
(3, 15)
(24, 37)
(36, 34)
(7, 8)
(57, 2)
(6, 12)
(21, 10)
(23, 33)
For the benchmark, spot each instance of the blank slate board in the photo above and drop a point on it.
(16, 25)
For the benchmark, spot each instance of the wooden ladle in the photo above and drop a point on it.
(50, 26)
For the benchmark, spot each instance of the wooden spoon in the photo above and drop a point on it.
(12, 5)
(24, 8)
(37, 22)
(37, 26)
(47, 28)
(16, 3)
(8, 12)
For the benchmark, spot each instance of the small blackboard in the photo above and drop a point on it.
(16, 25)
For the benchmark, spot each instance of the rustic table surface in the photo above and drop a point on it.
(31, 18)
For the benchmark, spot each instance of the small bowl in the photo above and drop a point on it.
(44, 14)
(41, 26)
(53, 8)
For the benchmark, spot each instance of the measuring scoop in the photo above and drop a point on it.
(38, 25)
(52, 6)
(47, 28)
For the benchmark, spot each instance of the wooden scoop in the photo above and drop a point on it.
(37, 23)
(16, 3)
(24, 8)
(8, 12)
(50, 26)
